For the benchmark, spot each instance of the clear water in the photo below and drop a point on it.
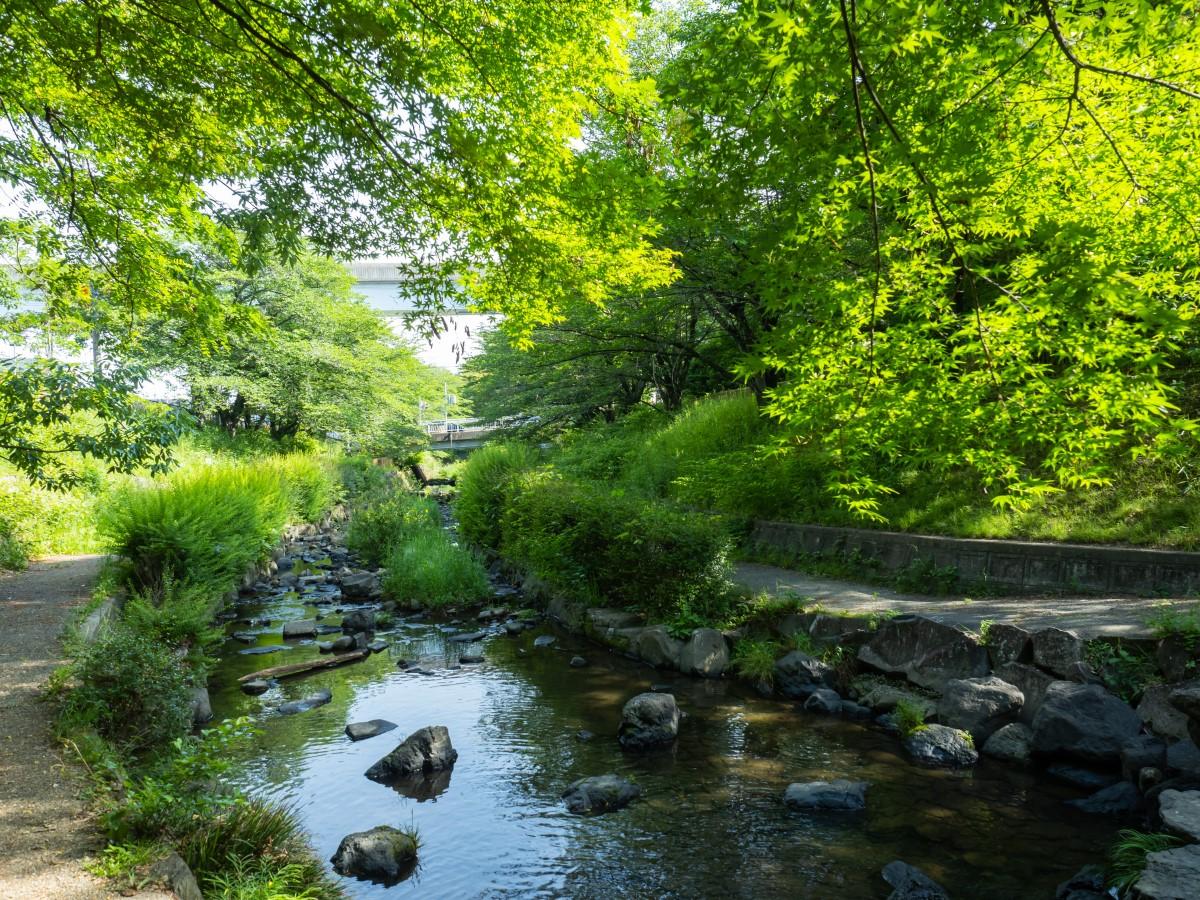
(711, 822)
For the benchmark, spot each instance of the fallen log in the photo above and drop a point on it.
(300, 668)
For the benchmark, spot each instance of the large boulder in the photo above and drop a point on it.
(705, 654)
(423, 751)
(839, 794)
(797, 674)
(941, 746)
(1012, 743)
(1007, 643)
(979, 705)
(824, 700)
(383, 854)
(656, 646)
(1170, 875)
(926, 652)
(910, 883)
(201, 706)
(358, 620)
(599, 794)
(1180, 812)
(1032, 682)
(1160, 715)
(648, 721)
(1083, 721)
(1057, 650)
(360, 586)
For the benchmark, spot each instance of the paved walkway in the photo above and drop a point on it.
(45, 830)
(1087, 616)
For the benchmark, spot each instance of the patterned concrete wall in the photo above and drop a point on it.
(1024, 565)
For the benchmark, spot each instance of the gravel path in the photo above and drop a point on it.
(1089, 617)
(45, 829)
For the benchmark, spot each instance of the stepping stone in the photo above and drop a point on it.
(256, 687)
(360, 731)
(546, 640)
(259, 651)
(469, 638)
(312, 701)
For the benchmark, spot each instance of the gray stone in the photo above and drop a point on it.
(705, 654)
(377, 646)
(1117, 799)
(795, 623)
(1057, 650)
(1012, 743)
(1083, 721)
(649, 720)
(312, 701)
(827, 628)
(852, 710)
(571, 613)
(468, 637)
(1008, 643)
(599, 794)
(1180, 812)
(544, 640)
(1186, 698)
(344, 643)
(1178, 658)
(1170, 875)
(360, 731)
(1184, 756)
(797, 674)
(1160, 715)
(601, 620)
(492, 612)
(839, 794)
(358, 620)
(263, 650)
(255, 686)
(359, 586)
(514, 627)
(578, 662)
(979, 705)
(302, 628)
(824, 700)
(941, 746)
(927, 653)
(910, 883)
(1142, 752)
(324, 646)
(1031, 682)
(383, 854)
(174, 872)
(884, 696)
(201, 706)
(656, 647)
(426, 750)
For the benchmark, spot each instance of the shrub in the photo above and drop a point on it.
(755, 659)
(181, 616)
(361, 479)
(430, 568)
(483, 486)
(310, 482)
(131, 689)
(377, 528)
(35, 521)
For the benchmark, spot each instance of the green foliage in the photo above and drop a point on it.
(362, 480)
(131, 689)
(483, 488)
(924, 576)
(985, 631)
(429, 568)
(755, 659)
(35, 521)
(377, 528)
(1127, 857)
(909, 717)
(1125, 672)
(180, 616)
(1172, 621)
(125, 863)
(590, 542)
(264, 879)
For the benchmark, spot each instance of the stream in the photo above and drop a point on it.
(711, 821)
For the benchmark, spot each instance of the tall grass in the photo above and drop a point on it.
(428, 568)
(483, 486)
(377, 528)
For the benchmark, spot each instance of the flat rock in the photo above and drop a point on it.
(468, 638)
(301, 628)
(910, 883)
(599, 794)
(1083, 721)
(883, 697)
(1180, 811)
(360, 731)
(926, 652)
(377, 646)
(263, 650)
(312, 701)
(544, 640)
(1170, 875)
(1013, 743)
(578, 662)
(601, 620)
(839, 794)
(426, 750)
(384, 854)
(941, 746)
(1087, 779)
(648, 721)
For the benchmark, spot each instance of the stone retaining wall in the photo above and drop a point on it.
(1019, 565)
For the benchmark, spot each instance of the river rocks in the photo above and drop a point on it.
(910, 883)
(705, 654)
(377, 646)
(883, 696)
(1180, 812)
(599, 794)
(255, 686)
(300, 629)
(1186, 699)
(544, 640)
(514, 627)
(1007, 643)
(927, 653)
(423, 751)
(656, 646)
(824, 700)
(1117, 799)
(648, 721)
(312, 701)
(571, 613)
(1184, 756)
(172, 871)
(1170, 875)
(1157, 711)
(1013, 743)
(467, 637)
(578, 662)
(343, 644)
(1032, 682)
(797, 674)
(200, 705)
(841, 794)
(1057, 650)
(360, 586)
(600, 621)
(361, 731)
(1083, 721)
(979, 705)
(358, 620)
(383, 854)
(941, 746)
(1177, 657)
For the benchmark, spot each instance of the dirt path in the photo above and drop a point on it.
(1088, 616)
(45, 831)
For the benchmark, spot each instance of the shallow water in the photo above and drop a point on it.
(711, 822)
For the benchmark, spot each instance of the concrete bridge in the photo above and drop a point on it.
(457, 434)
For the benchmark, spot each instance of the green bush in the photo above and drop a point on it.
(375, 529)
(362, 480)
(597, 545)
(311, 483)
(909, 718)
(483, 486)
(179, 616)
(755, 660)
(429, 568)
(131, 689)
(36, 522)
